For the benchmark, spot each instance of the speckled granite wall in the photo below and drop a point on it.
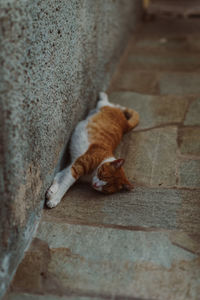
(55, 58)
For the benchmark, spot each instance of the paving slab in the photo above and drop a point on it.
(169, 27)
(193, 115)
(177, 44)
(189, 140)
(156, 82)
(142, 209)
(150, 156)
(135, 246)
(189, 174)
(143, 60)
(174, 8)
(153, 110)
(145, 82)
(111, 262)
(179, 83)
(187, 215)
(182, 280)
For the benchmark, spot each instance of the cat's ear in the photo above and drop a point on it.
(128, 186)
(118, 163)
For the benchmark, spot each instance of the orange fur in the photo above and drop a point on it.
(105, 130)
(115, 176)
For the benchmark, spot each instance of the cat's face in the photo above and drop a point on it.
(110, 178)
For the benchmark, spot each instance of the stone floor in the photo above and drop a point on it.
(143, 244)
(171, 8)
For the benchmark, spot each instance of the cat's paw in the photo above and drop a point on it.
(52, 203)
(52, 191)
(51, 199)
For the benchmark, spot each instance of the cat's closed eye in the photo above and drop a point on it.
(103, 176)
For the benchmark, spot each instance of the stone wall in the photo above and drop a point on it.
(55, 58)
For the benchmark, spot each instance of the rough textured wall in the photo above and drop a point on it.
(55, 58)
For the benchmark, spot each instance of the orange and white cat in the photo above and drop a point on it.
(91, 148)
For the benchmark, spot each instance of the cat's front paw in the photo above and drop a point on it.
(51, 203)
(52, 190)
(51, 199)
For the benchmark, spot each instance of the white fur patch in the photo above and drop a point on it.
(79, 140)
(97, 183)
(109, 159)
(54, 188)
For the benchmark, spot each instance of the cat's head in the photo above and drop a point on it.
(110, 178)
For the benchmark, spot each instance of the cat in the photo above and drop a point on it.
(91, 148)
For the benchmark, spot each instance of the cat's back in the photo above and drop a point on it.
(104, 126)
(107, 126)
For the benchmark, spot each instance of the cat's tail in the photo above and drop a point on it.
(103, 97)
(103, 100)
(133, 118)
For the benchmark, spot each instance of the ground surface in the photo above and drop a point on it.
(144, 244)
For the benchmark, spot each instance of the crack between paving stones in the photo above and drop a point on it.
(157, 127)
(111, 226)
(190, 101)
